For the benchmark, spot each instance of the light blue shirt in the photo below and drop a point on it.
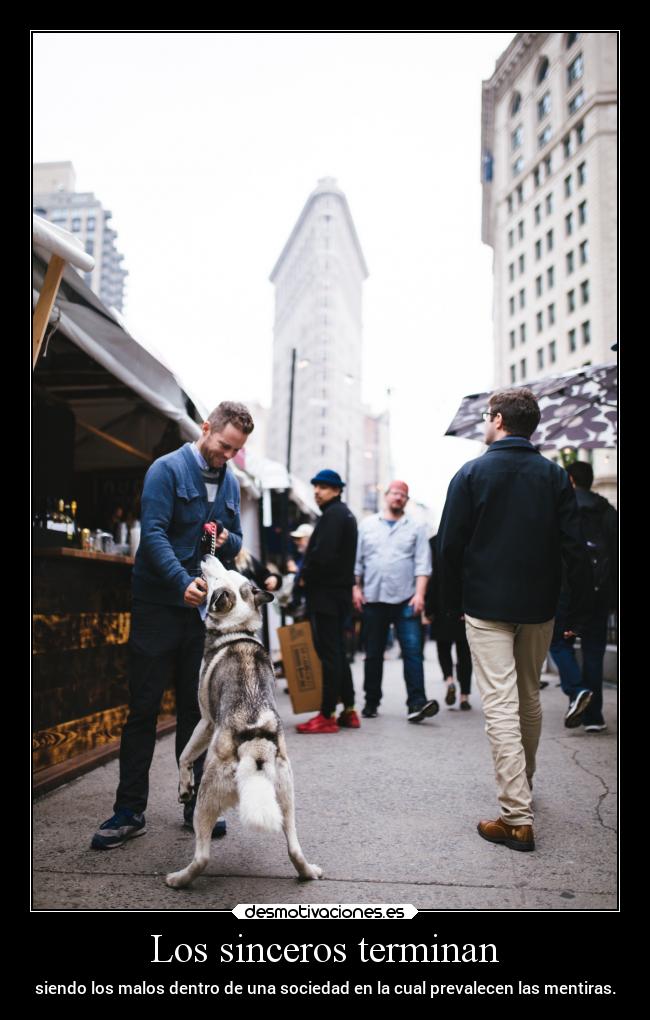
(390, 557)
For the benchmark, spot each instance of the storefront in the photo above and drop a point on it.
(104, 409)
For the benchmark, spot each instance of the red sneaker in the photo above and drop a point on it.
(319, 724)
(349, 719)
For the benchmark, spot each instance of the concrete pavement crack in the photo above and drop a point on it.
(594, 775)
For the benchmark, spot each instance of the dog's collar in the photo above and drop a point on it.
(230, 639)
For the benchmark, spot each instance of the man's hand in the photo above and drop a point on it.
(195, 592)
(224, 535)
(358, 598)
(272, 583)
(417, 602)
(569, 634)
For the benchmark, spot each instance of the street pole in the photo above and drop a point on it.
(285, 495)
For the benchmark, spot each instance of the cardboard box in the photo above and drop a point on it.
(302, 667)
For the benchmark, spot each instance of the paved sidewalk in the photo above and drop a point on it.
(388, 811)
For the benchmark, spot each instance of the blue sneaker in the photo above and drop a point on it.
(116, 830)
(219, 830)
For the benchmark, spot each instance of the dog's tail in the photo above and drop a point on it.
(256, 778)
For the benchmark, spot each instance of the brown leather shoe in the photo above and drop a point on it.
(517, 837)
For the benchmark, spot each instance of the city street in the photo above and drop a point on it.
(388, 811)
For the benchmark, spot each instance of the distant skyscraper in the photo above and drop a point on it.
(318, 279)
(82, 214)
(549, 173)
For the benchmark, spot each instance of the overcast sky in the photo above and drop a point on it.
(206, 146)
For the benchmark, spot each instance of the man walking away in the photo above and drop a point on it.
(509, 522)
(584, 689)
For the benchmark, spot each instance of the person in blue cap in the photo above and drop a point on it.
(327, 576)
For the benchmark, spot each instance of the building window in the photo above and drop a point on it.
(549, 240)
(522, 263)
(76, 225)
(571, 38)
(540, 322)
(90, 246)
(575, 70)
(511, 272)
(513, 374)
(544, 106)
(538, 286)
(582, 213)
(584, 292)
(544, 137)
(520, 194)
(512, 339)
(542, 70)
(515, 105)
(568, 224)
(522, 333)
(580, 133)
(537, 177)
(572, 340)
(520, 230)
(550, 277)
(568, 186)
(566, 145)
(511, 305)
(538, 250)
(522, 369)
(551, 314)
(549, 203)
(540, 358)
(586, 333)
(582, 174)
(522, 298)
(511, 238)
(516, 138)
(509, 200)
(548, 166)
(90, 224)
(552, 351)
(538, 214)
(518, 166)
(576, 102)
(570, 263)
(584, 253)
(571, 301)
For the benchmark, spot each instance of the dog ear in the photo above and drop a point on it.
(222, 601)
(260, 596)
(213, 567)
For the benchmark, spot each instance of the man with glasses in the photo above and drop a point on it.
(183, 492)
(509, 527)
(392, 569)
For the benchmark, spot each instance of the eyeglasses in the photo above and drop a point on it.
(488, 414)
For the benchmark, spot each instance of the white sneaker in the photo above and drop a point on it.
(595, 727)
(577, 708)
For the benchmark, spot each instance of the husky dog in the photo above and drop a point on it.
(247, 761)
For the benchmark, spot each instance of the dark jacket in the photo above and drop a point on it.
(598, 518)
(328, 567)
(509, 521)
(174, 509)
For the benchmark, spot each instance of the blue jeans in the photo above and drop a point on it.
(378, 616)
(593, 640)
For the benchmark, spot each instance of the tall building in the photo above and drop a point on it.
(377, 459)
(55, 198)
(549, 175)
(318, 280)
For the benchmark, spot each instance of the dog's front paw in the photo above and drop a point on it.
(177, 879)
(311, 871)
(185, 792)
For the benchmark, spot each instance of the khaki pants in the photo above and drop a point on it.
(507, 660)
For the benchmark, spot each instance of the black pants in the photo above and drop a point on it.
(328, 630)
(165, 648)
(463, 663)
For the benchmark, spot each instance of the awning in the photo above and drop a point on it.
(273, 475)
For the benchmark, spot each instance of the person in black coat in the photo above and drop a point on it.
(327, 575)
(446, 631)
(509, 524)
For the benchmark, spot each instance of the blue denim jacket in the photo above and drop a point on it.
(174, 509)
